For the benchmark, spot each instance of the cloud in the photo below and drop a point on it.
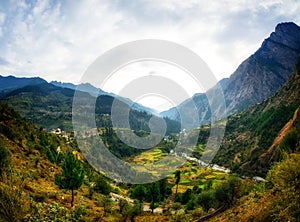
(61, 38)
(3, 62)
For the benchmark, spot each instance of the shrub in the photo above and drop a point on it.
(4, 160)
(181, 217)
(227, 191)
(128, 211)
(106, 203)
(198, 212)
(191, 204)
(102, 186)
(285, 177)
(207, 199)
(11, 201)
(176, 206)
(186, 197)
(47, 212)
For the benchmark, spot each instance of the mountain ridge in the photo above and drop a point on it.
(50, 106)
(9, 83)
(256, 78)
(12, 83)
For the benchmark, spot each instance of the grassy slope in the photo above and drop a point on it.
(30, 164)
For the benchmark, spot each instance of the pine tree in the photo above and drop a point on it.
(72, 175)
(177, 176)
(155, 195)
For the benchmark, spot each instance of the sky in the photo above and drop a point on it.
(58, 40)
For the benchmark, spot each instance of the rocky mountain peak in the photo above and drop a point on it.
(263, 73)
(287, 34)
(259, 76)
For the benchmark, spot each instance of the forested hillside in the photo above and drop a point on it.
(251, 133)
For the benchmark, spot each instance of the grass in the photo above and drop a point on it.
(149, 156)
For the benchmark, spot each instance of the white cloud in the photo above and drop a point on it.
(57, 40)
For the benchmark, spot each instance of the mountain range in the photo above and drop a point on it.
(49, 105)
(261, 97)
(255, 79)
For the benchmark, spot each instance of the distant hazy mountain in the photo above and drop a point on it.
(64, 84)
(86, 87)
(258, 77)
(9, 83)
(201, 102)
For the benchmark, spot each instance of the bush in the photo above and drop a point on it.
(181, 217)
(128, 211)
(207, 200)
(227, 191)
(39, 198)
(186, 197)
(47, 212)
(102, 186)
(285, 177)
(4, 160)
(176, 206)
(77, 212)
(178, 198)
(106, 203)
(191, 204)
(198, 212)
(289, 144)
(139, 192)
(11, 201)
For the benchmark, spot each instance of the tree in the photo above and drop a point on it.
(226, 192)
(153, 205)
(139, 192)
(123, 204)
(187, 195)
(102, 186)
(206, 199)
(128, 211)
(290, 141)
(155, 195)
(72, 175)
(177, 176)
(136, 210)
(106, 203)
(163, 189)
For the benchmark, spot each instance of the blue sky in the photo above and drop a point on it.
(57, 40)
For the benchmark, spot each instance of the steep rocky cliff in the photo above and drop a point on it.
(258, 77)
(264, 72)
